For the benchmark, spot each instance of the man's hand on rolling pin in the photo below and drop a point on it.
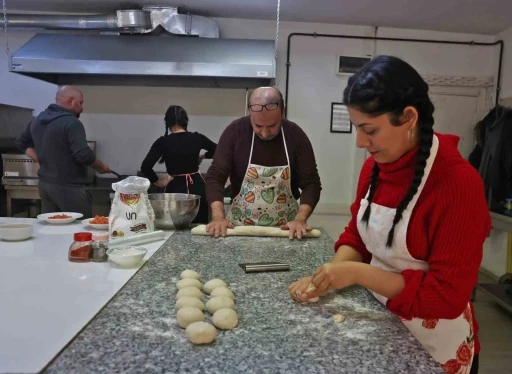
(297, 228)
(331, 276)
(299, 287)
(219, 227)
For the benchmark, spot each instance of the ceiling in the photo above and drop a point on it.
(467, 16)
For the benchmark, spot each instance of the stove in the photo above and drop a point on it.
(21, 170)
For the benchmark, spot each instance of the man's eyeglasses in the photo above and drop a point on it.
(259, 107)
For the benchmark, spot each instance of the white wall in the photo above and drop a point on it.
(18, 90)
(506, 79)
(313, 86)
(126, 120)
(134, 115)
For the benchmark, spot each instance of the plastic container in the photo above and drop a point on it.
(99, 247)
(80, 249)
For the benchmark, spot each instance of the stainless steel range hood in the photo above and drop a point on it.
(143, 60)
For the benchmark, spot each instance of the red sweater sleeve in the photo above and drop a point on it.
(459, 223)
(350, 236)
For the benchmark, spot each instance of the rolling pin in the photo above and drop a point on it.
(275, 232)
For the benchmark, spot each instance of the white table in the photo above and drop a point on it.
(45, 299)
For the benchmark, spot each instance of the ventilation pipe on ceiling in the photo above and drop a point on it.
(123, 21)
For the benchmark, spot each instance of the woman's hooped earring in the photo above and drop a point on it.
(410, 135)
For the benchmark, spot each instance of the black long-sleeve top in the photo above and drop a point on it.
(180, 152)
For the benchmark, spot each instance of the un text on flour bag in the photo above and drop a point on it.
(131, 213)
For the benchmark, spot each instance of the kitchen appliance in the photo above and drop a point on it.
(21, 170)
(20, 179)
(146, 60)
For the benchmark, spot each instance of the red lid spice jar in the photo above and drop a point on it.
(80, 250)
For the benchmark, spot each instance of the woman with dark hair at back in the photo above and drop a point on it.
(181, 152)
(419, 220)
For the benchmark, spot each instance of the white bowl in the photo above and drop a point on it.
(59, 221)
(16, 231)
(127, 256)
(97, 226)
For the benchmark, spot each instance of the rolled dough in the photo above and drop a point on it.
(190, 274)
(338, 318)
(201, 333)
(225, 319)
(222, 291)
(255, 231)
(191, 292)
(186, 301)
(219, 302)
(188, 315)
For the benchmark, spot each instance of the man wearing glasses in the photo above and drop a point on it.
(270, 163)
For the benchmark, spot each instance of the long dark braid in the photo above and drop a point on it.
(373, 187)
(426, 137)
(388, 85)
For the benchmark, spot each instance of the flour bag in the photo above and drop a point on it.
(131, 213)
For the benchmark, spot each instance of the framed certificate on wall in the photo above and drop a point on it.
(340, 121)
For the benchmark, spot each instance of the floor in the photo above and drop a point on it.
(495, 322)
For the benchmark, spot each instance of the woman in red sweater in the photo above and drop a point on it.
(419, 220)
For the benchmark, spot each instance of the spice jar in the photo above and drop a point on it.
(99, 247)
(80, 249)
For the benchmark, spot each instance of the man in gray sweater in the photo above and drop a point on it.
(56, 139)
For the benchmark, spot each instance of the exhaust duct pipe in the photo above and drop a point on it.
(123, 21)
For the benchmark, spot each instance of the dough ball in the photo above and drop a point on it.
(219, 302)
(201, 333)
(338, 318)
(189, 282)
(191, 292)
(311, 287)
(185, 301)
(188, 315)
(190, 274)
(223, 291)
(213, 284)
(225, 319)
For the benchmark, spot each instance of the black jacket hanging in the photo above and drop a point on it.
(496, 163)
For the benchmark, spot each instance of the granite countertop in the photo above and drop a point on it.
(137, 331)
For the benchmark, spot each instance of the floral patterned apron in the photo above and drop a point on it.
(450, 342)
(265, 197)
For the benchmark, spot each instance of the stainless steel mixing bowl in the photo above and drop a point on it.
(174, 210)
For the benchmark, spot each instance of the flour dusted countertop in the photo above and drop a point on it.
(137, 331)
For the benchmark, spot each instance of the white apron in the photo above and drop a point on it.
(450, 342)
(265, 197)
